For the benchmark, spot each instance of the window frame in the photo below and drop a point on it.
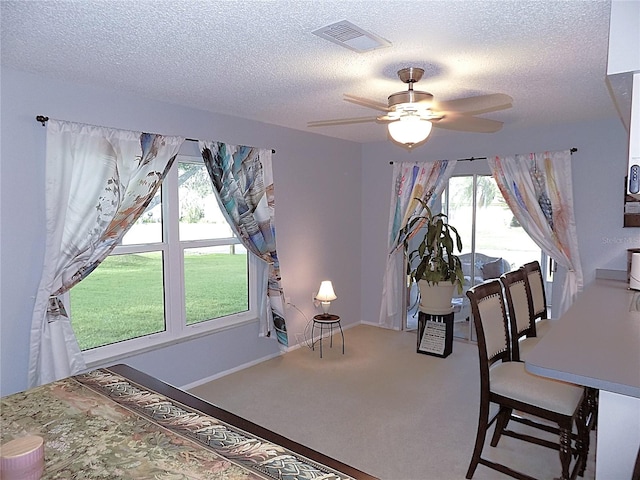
(172, 249)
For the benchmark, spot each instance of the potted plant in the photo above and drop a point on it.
(433, 264)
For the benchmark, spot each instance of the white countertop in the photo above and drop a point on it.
(596, 343)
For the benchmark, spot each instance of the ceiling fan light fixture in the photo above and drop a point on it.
(410, 130)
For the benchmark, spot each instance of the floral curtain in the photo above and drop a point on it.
(243, 179)
(538, 189)
(98, 182)
(425, 180)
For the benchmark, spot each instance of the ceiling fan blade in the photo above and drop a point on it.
(467, 123)
(341, 121)
(475, 105)
(365, 102)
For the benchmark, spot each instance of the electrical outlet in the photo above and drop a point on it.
(287, 300)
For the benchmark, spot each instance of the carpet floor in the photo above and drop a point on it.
(381, 407)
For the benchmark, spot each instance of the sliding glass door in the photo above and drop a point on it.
(493, 241)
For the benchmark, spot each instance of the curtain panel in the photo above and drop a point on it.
(243, 180)
(411, 180)
(98, 182)
(538, 188)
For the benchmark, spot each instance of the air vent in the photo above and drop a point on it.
(350, 36)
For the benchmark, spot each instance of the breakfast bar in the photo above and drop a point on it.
(596, 343)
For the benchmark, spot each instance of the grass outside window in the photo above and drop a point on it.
(123, 297)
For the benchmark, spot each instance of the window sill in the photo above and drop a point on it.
(99, 357)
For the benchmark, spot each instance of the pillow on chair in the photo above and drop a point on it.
(492, 269)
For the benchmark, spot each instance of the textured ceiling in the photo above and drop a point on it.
(259, 59)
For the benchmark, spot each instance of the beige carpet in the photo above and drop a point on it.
(380, 407)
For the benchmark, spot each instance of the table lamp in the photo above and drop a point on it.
(325, 296)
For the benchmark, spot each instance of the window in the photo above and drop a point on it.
(178, 272)
(477, 209)
(493, 240)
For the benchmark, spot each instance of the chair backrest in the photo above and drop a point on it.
(490, 320)
(519, 308)
(533, 276)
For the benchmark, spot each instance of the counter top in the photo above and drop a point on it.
(596, 343)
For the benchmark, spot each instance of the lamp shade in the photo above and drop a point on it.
(326, 293)
(410, 130)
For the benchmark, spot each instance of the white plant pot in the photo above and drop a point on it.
(436, 299)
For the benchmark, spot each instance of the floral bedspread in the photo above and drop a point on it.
(103, 426)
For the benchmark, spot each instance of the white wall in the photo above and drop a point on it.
(598, 170)
(317, 182)
(332, 210)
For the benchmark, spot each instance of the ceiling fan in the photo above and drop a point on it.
(411, 114)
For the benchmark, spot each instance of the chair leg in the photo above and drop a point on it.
(483, 423)
(592, 404)
(565, 452)
(583, 441)
(501, 423)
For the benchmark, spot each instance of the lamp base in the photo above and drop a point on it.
(325, 308)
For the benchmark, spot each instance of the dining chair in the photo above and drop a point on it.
(533, 276)
(522, 326)
(521, 323)
(505, 383)
(541, 324)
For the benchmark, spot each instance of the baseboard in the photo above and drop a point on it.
(290, 348)
(375, 324)
(202, 381)
(607, 274)
(370, 323)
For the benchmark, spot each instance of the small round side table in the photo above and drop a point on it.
(326, 320)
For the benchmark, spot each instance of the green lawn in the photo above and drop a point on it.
(123, 297)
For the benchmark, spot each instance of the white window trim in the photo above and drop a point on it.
(176, 329)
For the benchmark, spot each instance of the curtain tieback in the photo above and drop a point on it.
(56, 307)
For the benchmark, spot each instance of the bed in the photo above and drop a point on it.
(118, 422)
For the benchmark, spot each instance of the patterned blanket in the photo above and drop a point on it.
(103, 426)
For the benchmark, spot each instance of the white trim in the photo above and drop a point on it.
(252, 363)
(375, 324)
(216, 376)
(153, 343)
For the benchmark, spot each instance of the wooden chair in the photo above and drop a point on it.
(505, 383)
(533, 276)
(522, 329)
(520, 313)
(541, 323)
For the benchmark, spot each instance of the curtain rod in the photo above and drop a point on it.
(471, 159)
(43, 120)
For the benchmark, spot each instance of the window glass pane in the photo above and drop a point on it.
(216, 282)
(119, 300)
(200, 215)
(498, 233)
(148, 228)
(460, 209)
